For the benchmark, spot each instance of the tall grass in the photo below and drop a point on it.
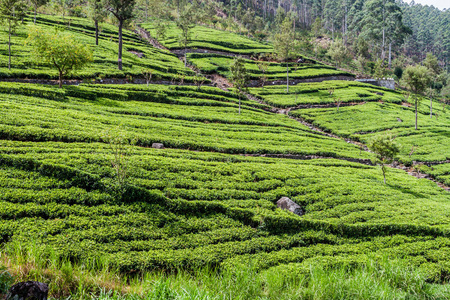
(94, 279)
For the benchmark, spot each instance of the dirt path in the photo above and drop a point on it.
(145, 35)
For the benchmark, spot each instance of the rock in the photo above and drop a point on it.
(29, 290)
(400, 120)
(158, 145)
(287, 204)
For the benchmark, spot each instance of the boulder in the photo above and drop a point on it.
(287, 204)
(158, 145)
(29, 290)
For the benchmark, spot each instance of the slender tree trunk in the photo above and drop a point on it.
(390, 57)
(185, 60)
(9, 46)
(431, 107)
(239, 102)
(287, 77)
(120, 44)
(60, 79)
(96, 32)
(415, 107)
(35, 13)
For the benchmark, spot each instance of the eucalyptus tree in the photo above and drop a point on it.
(417, 79)
(36, 4)
(97, 13)
(123, 11)
(11, 14)
(284, 45)
(186, 22)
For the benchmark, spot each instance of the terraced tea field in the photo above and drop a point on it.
(213, 39)
(138, 56)
(215, 63)
(318, 93)
(179, 117)
(208, 199)
(187, 209)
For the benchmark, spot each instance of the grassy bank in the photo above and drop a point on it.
(377, 278)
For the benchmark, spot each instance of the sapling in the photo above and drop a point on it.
(385, 150)
(239, 77)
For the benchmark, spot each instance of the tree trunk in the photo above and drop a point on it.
(239, 102)
(60, 79)
(431, 107)
(35, 12)
(287, 77)
(185, 60)
(9, 46)
(120, 44)
(96, 32)
(415, 107)
(390, 57)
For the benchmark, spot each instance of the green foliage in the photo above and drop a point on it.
(417, 79)
(239, 77)
(337, 52)
(11, 14)
(304, 94)
(59, 49)
(385, 150)
(104, 66)
(284, 41)
(186, 22)
(362, 122)
(212, 39)
(215, 63)
(6, 280)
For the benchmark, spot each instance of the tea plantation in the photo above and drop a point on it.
(212, 39)
(215, 63)
(138, 55)
(79, 173)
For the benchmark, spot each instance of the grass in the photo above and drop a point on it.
(376, 278)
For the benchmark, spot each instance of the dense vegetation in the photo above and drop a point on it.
(162, 64)
(92, 203)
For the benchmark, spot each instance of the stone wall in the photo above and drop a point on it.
(388, 83)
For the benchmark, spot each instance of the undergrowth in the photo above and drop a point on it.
(378, 278)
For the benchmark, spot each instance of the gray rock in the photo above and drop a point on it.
(400, 120)
(29, 290)
(287, 204)
(158, 145)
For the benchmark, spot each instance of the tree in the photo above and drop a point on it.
(11, 14)
(60, 50)
(36, 4)
(186, 22)
(284, 45)
(263, 66)
(417, 79)
(239, 77)
(434, 69)
(123, 11)
(97, 14)
(385, 150)
(337, 52)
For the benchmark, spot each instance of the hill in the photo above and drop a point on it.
(84, 192)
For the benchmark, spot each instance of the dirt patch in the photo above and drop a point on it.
(137, 53)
